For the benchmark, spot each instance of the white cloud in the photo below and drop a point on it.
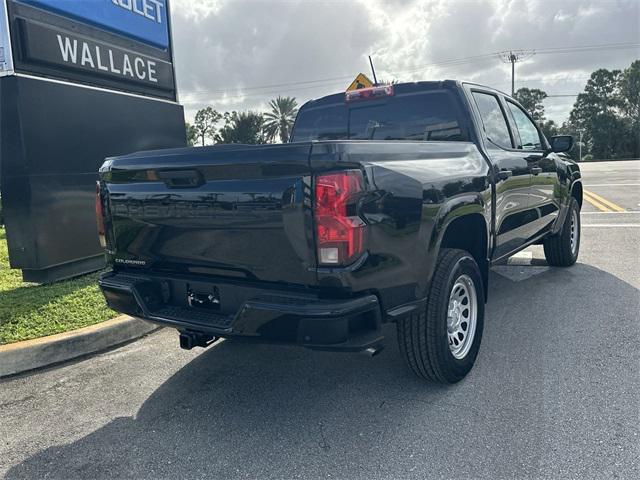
(224, 49)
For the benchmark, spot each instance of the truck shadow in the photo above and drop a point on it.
(251, 411)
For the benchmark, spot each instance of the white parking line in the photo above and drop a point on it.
(611, 185)
(614, 225)
(610, 213)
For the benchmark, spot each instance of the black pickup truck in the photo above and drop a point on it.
(390, 204)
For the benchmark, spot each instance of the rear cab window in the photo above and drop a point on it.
(432, 115)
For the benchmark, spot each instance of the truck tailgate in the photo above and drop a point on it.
(239, 211)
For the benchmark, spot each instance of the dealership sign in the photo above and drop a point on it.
(144, 20)
(80, 81)
(118, 44)
(51, 46)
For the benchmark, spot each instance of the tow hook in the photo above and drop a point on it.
(188, 340)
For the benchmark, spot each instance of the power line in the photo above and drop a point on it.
(455, 61)
(445, 63)
(514, 56)
(318, 83)
(240, 96)
(588, 48)
(261, 94)
(545, 51)
(333, 81)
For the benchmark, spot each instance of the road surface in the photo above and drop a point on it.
(555, 392)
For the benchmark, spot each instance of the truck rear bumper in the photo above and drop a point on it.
(247, 312)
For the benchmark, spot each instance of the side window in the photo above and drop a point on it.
(495, 125)
(529, 136)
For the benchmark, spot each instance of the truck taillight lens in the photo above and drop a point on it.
(100, 216)
(339, 229)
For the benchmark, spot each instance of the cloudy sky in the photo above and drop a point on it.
(238, 54)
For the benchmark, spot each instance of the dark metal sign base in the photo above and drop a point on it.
(55, 136)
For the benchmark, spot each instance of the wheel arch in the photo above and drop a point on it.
(576, 192)
(469, 232)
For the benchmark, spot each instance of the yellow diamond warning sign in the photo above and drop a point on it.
(361, 81)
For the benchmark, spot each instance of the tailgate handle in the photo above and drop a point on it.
(181, 178)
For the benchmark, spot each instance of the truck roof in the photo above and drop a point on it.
(404, 87)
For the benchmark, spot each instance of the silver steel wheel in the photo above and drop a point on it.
(462, 316)
(574, 232)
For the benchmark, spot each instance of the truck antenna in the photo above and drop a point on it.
(373, 70)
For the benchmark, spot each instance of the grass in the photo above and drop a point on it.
(31, 311)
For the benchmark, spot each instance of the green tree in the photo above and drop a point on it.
(630, 91)
(549, 128)
(205, 124)
(568, 129)
(596, 113)
(630, 105)
(243, 127)
(531, 99)
(192, 134)
(279, 120)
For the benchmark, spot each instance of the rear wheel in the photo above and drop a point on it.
(561, 250)
(440, 344)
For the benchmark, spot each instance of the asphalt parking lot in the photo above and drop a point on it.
(555, 392)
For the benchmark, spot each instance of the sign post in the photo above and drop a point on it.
(79, 81)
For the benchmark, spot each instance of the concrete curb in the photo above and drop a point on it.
(41, 352)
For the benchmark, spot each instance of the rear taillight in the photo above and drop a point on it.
(339, 229)
(100, 216)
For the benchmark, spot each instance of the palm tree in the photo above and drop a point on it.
(279, 120)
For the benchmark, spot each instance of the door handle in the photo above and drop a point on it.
(504, 174)
(536, 170)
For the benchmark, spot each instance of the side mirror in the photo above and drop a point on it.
(561, 143)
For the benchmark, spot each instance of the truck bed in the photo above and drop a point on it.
(222, 240)
(245, 212)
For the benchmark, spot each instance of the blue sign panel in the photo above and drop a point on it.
(144, 20)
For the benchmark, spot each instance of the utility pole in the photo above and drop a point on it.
(373, 70)
(580, 144)
(513, 56)
(513, 59)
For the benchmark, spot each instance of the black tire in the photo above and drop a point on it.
(558, 248)
(423, 337)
